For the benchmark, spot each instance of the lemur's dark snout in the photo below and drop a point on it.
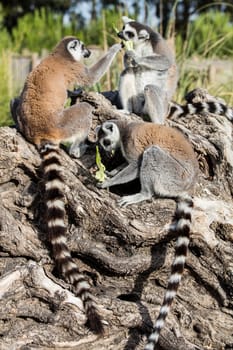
(87, 53)
(106, 142)
(120, 35)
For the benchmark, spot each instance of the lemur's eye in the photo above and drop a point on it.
(109, 127)
(130, 34)
(74, 44)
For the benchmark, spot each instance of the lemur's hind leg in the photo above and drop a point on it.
(162, 175)
(127, 91)
(76, 122)
(156, 103)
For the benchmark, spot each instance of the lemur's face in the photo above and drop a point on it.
(134, 31)
(77, 49)
(108, 136)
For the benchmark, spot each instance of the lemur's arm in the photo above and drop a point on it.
(129, 173)
(96, 71)
(154, 61)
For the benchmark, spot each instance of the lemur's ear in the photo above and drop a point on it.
(143, 34)
(126, 19)
(97, 129)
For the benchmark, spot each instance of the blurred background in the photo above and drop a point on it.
(200, 32)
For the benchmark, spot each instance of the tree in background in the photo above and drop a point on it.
(161, 10)
(13, 9)
(28, 26)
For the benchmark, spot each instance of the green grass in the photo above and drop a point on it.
(210, 36)
(5, 88)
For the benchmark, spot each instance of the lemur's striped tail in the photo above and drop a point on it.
(182, 223)
(56, 229)
(218, 108)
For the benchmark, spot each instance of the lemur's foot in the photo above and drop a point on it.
(78, 151)
(132, 199)
(124, 111)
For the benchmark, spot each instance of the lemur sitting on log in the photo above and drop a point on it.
(149, 78)
(164, 161)
(41, 117)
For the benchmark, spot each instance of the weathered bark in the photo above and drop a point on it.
(126, 253)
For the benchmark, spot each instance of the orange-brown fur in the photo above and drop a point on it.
(140, 135)
(45, 94)
(41, 116)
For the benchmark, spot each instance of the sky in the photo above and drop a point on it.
(85, 9)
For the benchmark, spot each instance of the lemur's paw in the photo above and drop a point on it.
(104, 184)
(116, 47)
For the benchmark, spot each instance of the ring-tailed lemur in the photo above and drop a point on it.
(41, 117)
(149, 78)
(214, 107)
(165, 163)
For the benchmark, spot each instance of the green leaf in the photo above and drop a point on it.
(128, 44)
(100, 174)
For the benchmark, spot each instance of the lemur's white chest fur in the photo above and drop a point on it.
(143, 49)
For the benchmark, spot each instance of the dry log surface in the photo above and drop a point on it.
(125, 253)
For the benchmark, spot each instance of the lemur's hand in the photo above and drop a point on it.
(130, 54)
(116, 47)
(104, 184)
(130, 58)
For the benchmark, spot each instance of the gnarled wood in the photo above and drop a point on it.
(126, 253)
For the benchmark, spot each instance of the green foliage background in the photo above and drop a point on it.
(37, 31)
(210, 35)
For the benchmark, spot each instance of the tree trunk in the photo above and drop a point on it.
(125, 253)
